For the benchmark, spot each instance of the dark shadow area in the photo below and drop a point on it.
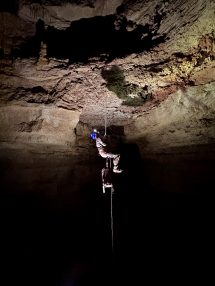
(91, 39)
(163, 217)
(1, 53)
(100, 37)
(55, 220)
(10, 6)
(52, 222)
(89, 3)
(115, 130)
(31, 47)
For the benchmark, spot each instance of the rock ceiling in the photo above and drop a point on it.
(147, 67)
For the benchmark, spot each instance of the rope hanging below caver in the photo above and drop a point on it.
(110, 186)
(108, 165)
(112, 189)
(111, 214)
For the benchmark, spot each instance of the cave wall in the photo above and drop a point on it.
(157, 95)
(160, 90)
(38, 125)
(186, 118)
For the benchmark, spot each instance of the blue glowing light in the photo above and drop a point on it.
(93, 135)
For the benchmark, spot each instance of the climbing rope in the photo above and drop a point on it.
(110, 185)
(105, 122)
(105, 116)
(111, 213)
(104, 8)
(108, 165)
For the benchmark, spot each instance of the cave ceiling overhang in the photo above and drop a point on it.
(126, 61)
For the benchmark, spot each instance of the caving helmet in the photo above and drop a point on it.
(94, 134)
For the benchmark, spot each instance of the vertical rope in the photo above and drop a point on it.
(104, 8)
(105, 115)
(111, 211)
(105, 122)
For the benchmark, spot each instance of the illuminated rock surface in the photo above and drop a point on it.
(147, 68)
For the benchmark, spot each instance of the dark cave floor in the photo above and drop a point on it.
(55, 221)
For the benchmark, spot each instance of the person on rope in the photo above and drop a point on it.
(101, 146)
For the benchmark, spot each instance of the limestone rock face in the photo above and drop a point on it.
(145, 68)
(46, 125)
(61, 13)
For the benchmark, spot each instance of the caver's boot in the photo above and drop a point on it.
(117, 170)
